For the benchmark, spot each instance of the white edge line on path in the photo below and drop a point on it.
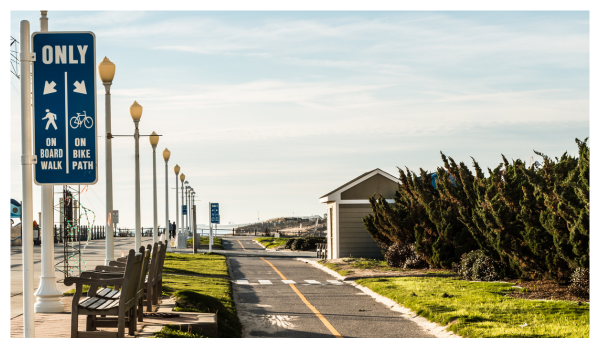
(427, 326)
(257, 242)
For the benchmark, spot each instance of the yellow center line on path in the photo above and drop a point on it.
(310, 306)
(241, 245)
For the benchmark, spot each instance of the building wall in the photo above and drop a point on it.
(354, 240)
(378, 183)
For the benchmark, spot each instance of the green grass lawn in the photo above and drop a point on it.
(335, 267)
(271, 242)
(201, 263)
(84, 290)
(202, 294)
(483, 309)
(172, 331)
(217, 242)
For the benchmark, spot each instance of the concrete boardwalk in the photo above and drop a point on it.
(307, 302)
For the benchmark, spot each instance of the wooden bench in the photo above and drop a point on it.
(124, 307)
(152, 286)
(322, 250)
(110, 293)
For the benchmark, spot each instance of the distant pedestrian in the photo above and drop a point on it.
(173, 230)
(170, 229)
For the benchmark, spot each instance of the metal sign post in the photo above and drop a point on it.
(215, 218)
(27, 162)
(195, 235)
(64, 108)
(209, 228)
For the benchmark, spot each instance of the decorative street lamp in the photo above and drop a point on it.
(190, 220)
(166, 156)
(106, 70)
(181, 241)
(176, 169)
(187, 213)
(154, 142)
(136, 114)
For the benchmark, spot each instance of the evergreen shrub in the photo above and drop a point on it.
(403, 256)
(288, 243)
(531, 221)
(297, 244)
(580, 283)
(476, 266)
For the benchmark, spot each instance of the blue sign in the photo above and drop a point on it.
(15, 209)
(184, 209)
(215, 218)
(64, 108)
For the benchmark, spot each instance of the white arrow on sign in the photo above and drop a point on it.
(49, 88)
(79, 87)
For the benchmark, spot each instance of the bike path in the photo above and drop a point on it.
(279, 296)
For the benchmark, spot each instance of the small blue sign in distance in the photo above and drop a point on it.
(184, 209)
(214, 213)
(64, 108)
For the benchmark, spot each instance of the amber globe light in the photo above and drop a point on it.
(182, 177)
(166, 154)
(106, 70)
(153, 139)
(176, 168)
(136, 111)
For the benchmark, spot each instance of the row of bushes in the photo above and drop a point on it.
(304, 244)
(532, 221)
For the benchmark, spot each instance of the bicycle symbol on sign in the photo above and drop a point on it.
(80, 119)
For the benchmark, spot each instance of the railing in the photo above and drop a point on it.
(80, 233)
(279, 233)
(322, 250)
(127, 232)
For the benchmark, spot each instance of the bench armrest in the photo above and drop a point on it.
(106, 268)
(118, 264)
(93, 282)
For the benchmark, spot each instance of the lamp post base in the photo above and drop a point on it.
(48, 297)
(181, 241)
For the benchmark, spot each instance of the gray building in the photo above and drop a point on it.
(346, 207)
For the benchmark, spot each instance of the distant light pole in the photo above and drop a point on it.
(166, 156)
(106, 70)
(154, 142)
(176, 169)
(136, 114)
(181, 241)
(194, 231)
(187, 203)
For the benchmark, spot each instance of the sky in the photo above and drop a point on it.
(267, 111)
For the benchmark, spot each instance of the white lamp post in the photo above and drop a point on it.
(48, 295)
(176, 169)
(106, 70)
(154, 142)
(181, 241)
(166, 156)
(187, 214)
(136, 114)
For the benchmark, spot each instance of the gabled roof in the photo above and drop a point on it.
(359, 179)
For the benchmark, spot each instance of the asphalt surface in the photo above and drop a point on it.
(268, 307)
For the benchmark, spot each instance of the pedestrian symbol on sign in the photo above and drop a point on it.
(50, 117)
